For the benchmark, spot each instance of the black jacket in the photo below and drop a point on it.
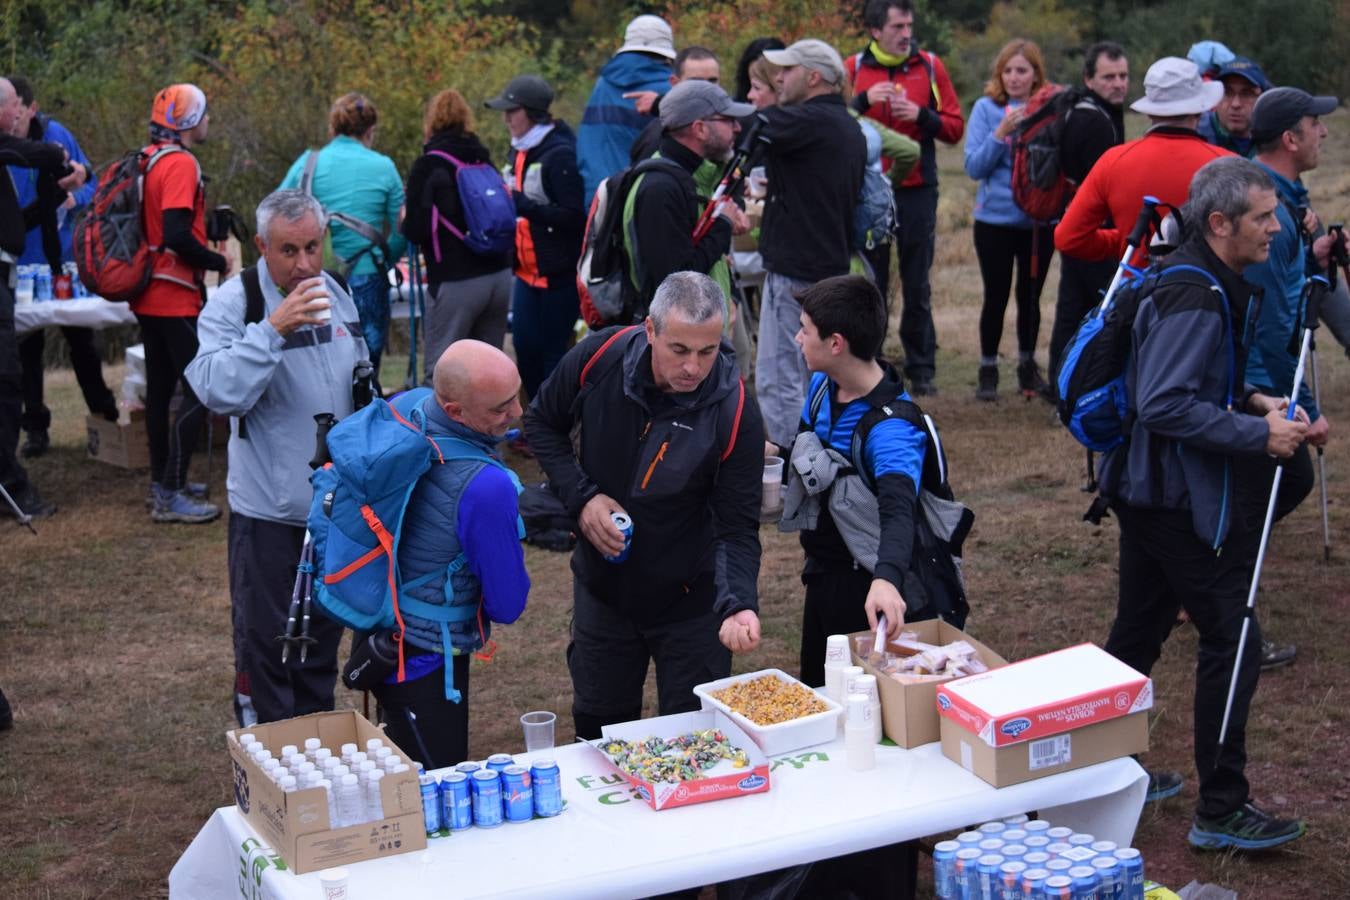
(1093, 127)
(695, 543)
(665, 211)
(431, 183)
(50, 160)
(558, 224)
(815, 159)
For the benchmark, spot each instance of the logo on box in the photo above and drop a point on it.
(1014, 727)
(944, 701)
(751, 783)
(240, 787)
(1122, 701)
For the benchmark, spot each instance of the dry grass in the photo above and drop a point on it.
(115, 647)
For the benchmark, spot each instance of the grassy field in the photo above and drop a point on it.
(115, 633)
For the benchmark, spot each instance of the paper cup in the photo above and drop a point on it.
(320, 308)
(772, 496)
(334, 884)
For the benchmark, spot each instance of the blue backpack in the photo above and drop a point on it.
(489, 211)
(1092, 395)
(356, 519)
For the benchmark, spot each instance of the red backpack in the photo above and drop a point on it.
(1039, 186)
(109, 243)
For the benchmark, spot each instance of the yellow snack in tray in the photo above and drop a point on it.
(767, 700)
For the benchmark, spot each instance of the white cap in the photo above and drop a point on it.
(348, 780)
(374, 744)
(305, 767)
(287, 783)
(376, 775)
(288, 749)
(360, 756)
(339, 770)
(649, 34)
(247, 737)
(383, 753)
(401, 767)
(269, 765)
(279, 772)
(348, 749)
(313, 743)
(260, 754)
(321, 754)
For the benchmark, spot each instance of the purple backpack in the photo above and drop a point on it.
(489, 211)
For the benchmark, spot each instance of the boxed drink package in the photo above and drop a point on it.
(296, 824)
(908, 711)
(122, 444)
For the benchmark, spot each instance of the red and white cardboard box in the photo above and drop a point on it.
(753, 779)
(1045, 695)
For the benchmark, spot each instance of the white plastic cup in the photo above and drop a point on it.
(772, 496)
(334, 884)
(538, 727)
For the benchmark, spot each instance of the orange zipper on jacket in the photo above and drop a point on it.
(660, 454)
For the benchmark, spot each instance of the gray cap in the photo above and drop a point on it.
(689, 101)
(1280, 109)
(529, 91)
(812, 54)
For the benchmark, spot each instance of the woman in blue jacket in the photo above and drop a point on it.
(1003, 233)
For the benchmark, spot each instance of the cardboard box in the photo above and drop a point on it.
(296, 824)
(909, 711)
(753, 779)
(1016, 763)
(1045, 695)
(123, 444)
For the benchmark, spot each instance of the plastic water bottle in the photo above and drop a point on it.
(363, 772)
(42, 283)
(381, 754)
(332, 802)
(303, 770)
(374, 801)
(401, 767)
(321, 755)
(350, 803)
(311, 746)
(287, 783)
(330, 765)
(347, 751)
(338, 771)
(391, 761)
(372, 745)
(270, 767)
(287, 751)
(357, 758)
(279, 773)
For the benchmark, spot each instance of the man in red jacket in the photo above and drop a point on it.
(908, 90)
(1159, 164)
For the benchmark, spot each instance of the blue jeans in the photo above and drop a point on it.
(370, 293)
(541, 328)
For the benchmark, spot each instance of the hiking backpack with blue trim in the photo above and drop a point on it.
(1093, 402)
(489, 211)
(379, 454)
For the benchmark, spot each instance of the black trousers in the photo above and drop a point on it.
(879, 258)
(998, 248)
(12, 475)
(262, 558)
(84, 359)
(422, 722)
(170, 343)
(1165, 567)
(834, 605)
(1256, 474)
(1081, 285)
(609, 654)
(917, 211)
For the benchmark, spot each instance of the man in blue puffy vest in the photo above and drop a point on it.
(468, 507)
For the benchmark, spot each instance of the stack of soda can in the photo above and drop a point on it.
(484, 795)
(1018, 859)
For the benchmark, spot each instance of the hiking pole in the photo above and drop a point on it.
(733, 176)
(288, 638)
(1321, 457)
(24, 519)
(307, 602)
(1316, 287)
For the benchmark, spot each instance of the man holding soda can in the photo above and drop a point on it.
(670, 441)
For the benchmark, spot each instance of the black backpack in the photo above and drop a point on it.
(547, 522)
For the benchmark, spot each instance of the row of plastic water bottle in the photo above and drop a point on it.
(36, 283)
(350, 779)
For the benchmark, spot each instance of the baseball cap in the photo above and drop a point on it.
(1279, 109)
(649, 34)
(179, 107)
(812, 54)
(529, 91)
(689, 101)
(1173, 87)
(1244, 68)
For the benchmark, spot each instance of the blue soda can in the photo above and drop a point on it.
(500, 762)
(487, 799)
(547, 785)
(968, 872)
(1058, 847)
(1058, 833)
(42, 283)
(468, 768)
(1033, 881)
(1013, 835)
(1131, 873)
(1036, 841)
(431, 802)
(456, 802)
(991, 845)
(1081, 840)
(1013, 851)
(1016, 821)
(944, 870)
(969, 838)
(1057, 887)
(1108, 870)
(1010, 880)
(1085, 883)
(517, 795)
(1058, 866)
(1103, 848)
(1036, 859)
(625, 525)
(987, 871)
(1036, 826)
(992, 828)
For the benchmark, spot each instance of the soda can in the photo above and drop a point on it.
(1131, 873)
(547, 785)
(1058, 887)
(967, 871)
(468, 768)
(1033, 880)
(987, 871)
(1013, 851)
(1086, 882)
(992, 829)
(1080, 855)
(1036, 826)
(625, 525)
(991, 845)
(1016, 821)
(1109, 869)
(1010, 880)
(1058, 848)
(944, 870)
(487, 799)
(1103, 848)
(431, 802)
(969, 838)
(517, 796)
(1059, 866)
(1036, 859)
(1081, 840)
(456, 801)
(1036, 841)
(500, 762)
(1058, 833)
(1013, 835)
(42, 283)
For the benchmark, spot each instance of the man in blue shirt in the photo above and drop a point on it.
(52, 219)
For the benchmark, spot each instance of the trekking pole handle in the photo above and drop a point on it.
(1147, 213)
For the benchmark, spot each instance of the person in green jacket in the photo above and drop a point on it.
(362, 193)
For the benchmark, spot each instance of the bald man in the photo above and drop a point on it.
(462, 516)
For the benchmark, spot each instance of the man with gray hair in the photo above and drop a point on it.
(1185, 536)
(278, 346)
(668, 444)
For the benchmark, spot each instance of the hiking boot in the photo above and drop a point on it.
(923, 387)
(1274, 656)
(36, 444)
(1249, 828)
(1162, 785)
(1030, 382)
(988, 387)
(177, 506)
(194, 489)
(30, 501)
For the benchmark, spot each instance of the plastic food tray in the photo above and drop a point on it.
(817, 728)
